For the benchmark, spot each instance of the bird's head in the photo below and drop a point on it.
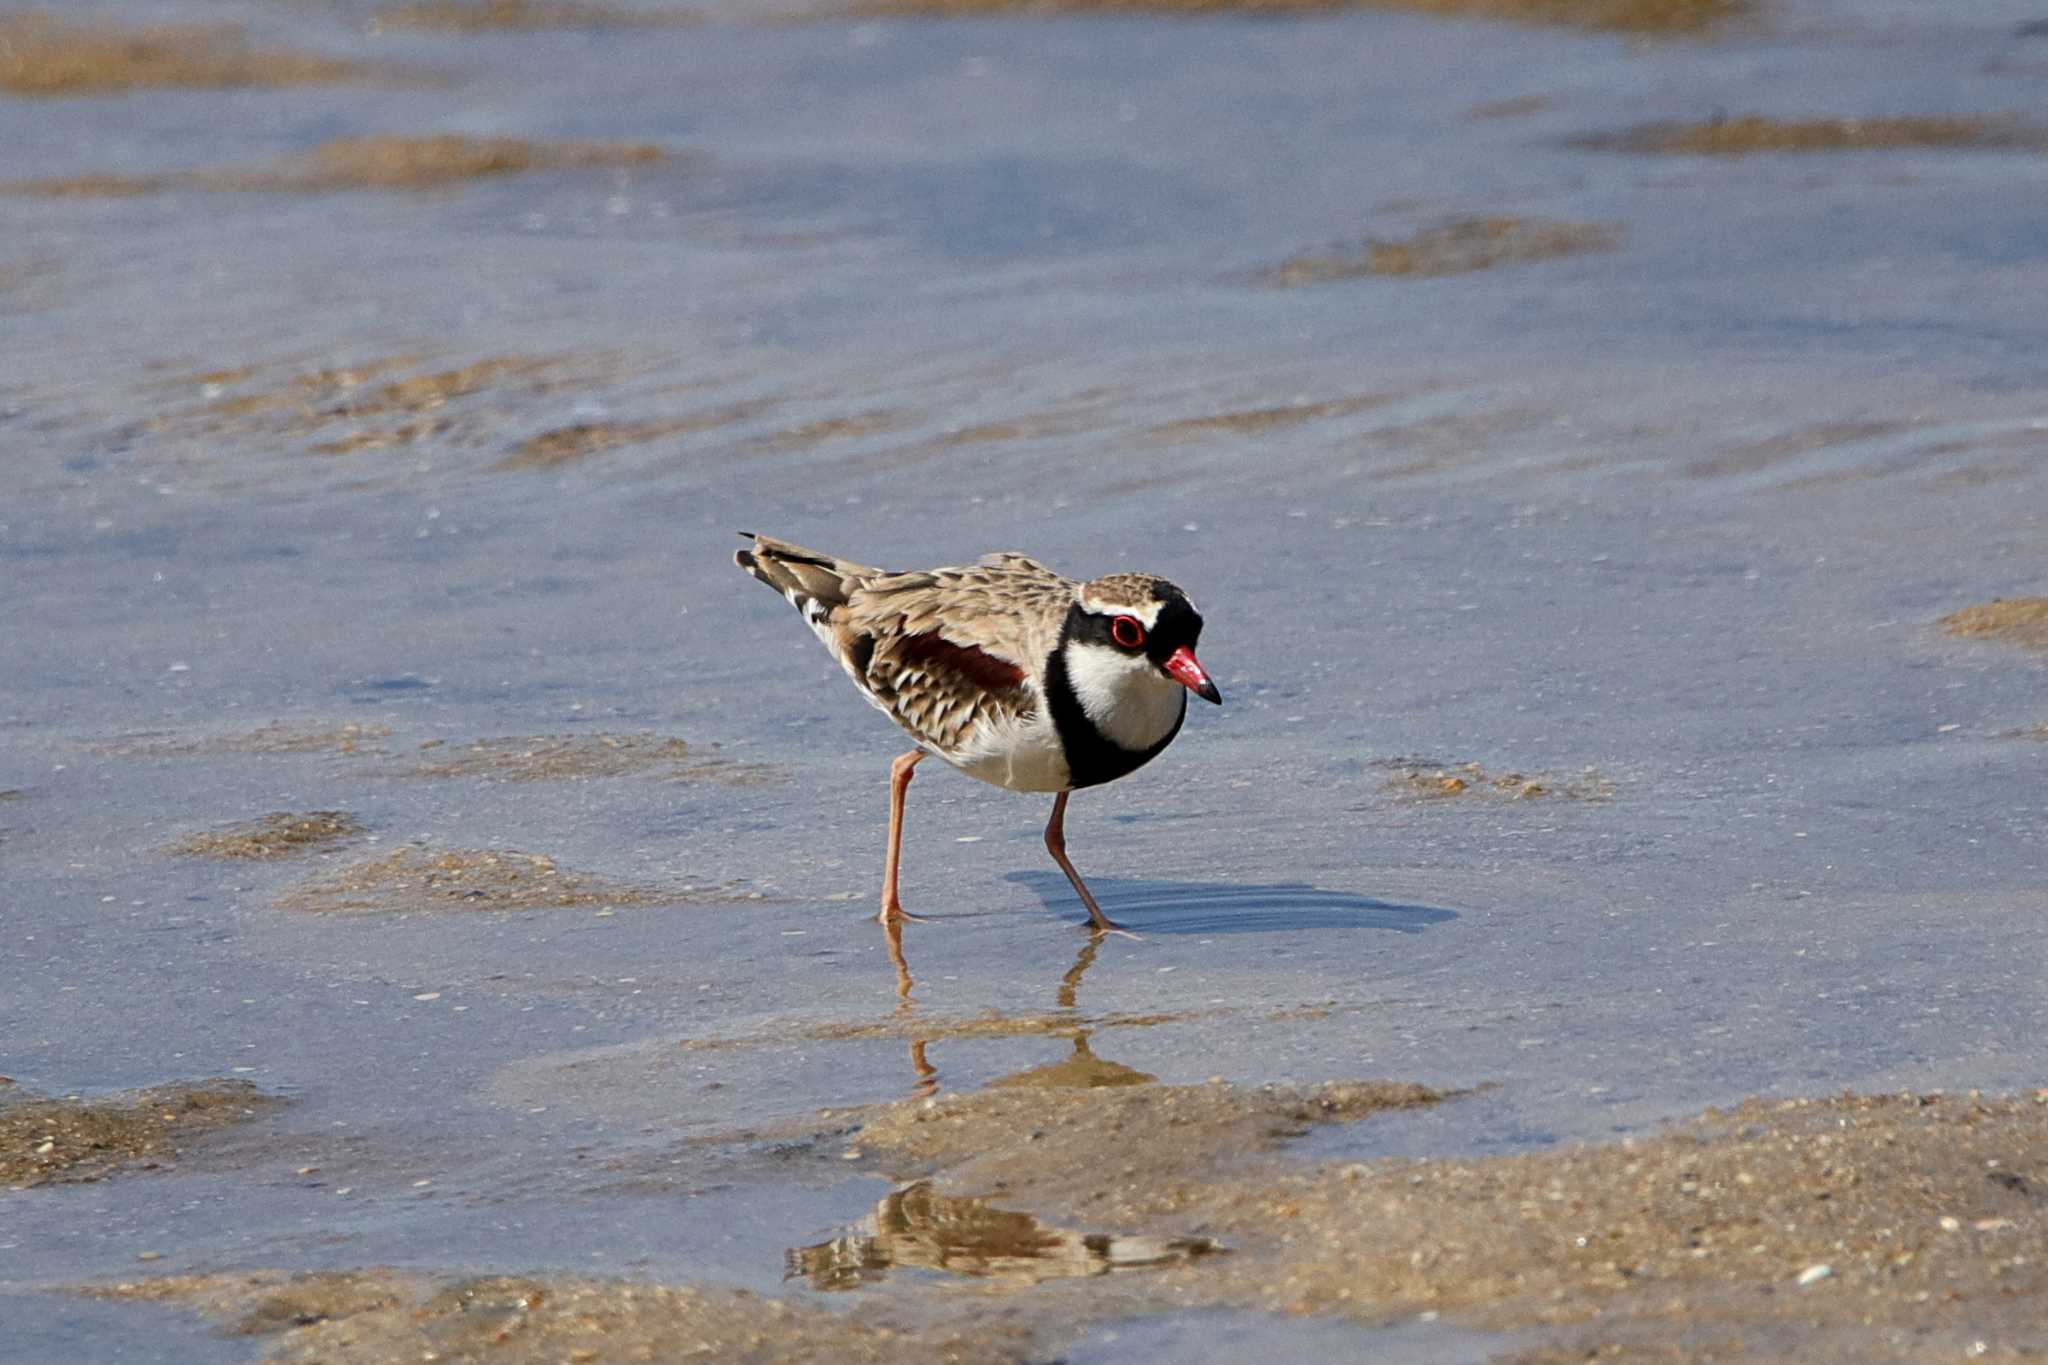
(1132, 632)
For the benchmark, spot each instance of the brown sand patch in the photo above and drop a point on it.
(1647, 17)
(1021, 430)
(817, 433)
(1068, 1145)
(1456, 248)
(1751, 133)
(923, 1229)
(304, 393)
(268, 739)
(564, 445)
(1431, 781)
(84, 187)
(1253, 421)
(427, 392)
(384, 438)
(509, 758)
(390, 403)
(2017, 621)
(374, 1317)
(43, 55)
(216, 378)
(416, 881)
(555, 758)
(494, 16)
(277, 835)
(426, 163)
(1858, 1228)
(72, 1141)
(366, 163)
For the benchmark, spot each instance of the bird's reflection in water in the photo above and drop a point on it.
(906, 1009)
(919, 1228)
(1082, 1070)
(1070, 984)
(916, 1227)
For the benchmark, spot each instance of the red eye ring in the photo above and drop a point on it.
(1127, 631)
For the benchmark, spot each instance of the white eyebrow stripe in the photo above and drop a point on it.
(1147, 614)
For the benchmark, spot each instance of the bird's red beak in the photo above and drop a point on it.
(1186, 670)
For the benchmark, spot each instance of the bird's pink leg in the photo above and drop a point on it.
(1056, 844)
(899, 783)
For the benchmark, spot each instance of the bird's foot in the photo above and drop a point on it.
(1103, 928)
(896, 914)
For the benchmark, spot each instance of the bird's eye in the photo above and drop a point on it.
(1126, 631)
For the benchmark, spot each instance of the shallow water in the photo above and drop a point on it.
(1682, 513)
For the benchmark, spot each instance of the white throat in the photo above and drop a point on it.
(1131, 702)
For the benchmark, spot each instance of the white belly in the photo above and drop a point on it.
(1024, 756)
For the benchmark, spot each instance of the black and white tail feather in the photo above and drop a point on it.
(815, 584)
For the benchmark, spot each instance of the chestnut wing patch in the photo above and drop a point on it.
(940, 690)
(935, 654)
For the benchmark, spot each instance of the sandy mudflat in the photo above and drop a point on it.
(1902, 1227)
(73, 1139)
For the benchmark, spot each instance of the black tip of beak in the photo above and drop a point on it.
(1207, 692)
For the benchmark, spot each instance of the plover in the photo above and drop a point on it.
(1006, 670)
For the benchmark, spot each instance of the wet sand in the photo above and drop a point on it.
(73, 1139)
(1902, 1227)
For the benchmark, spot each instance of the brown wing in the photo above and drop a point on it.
(945, 649)
(940, 691)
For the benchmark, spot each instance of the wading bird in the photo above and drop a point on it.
(1006, 670)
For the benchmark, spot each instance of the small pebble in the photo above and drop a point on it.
(149, 1255)
(1813, 1274)
(1949, 1224)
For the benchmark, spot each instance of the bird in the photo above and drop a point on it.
(1010, 672)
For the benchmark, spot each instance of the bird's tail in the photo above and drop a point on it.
(814, 583)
